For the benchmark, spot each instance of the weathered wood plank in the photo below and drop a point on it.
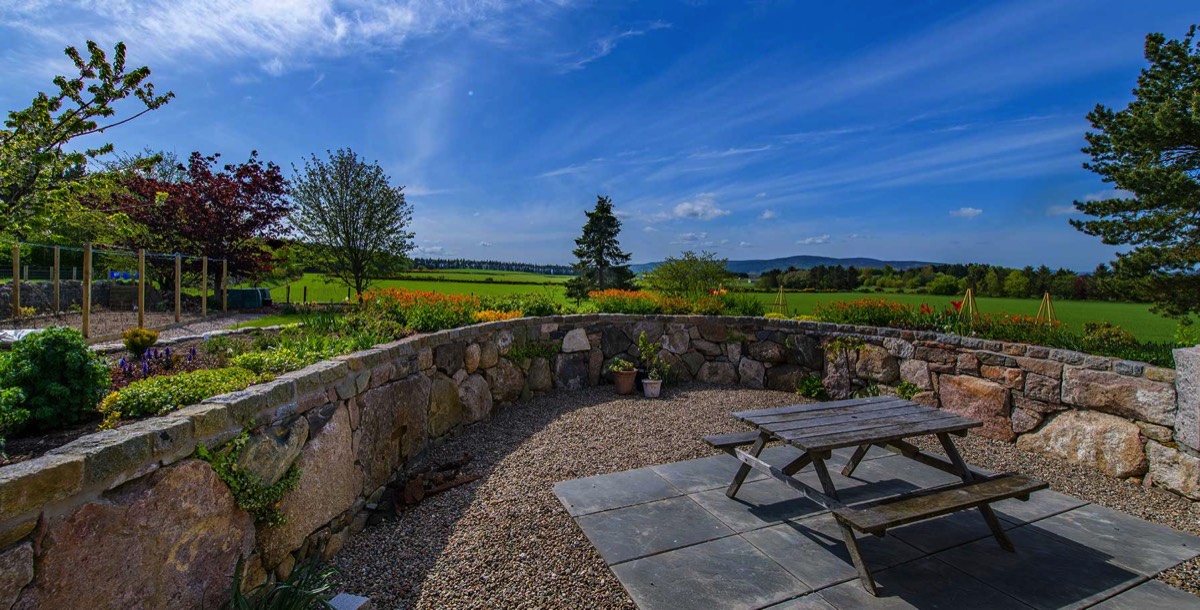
(915, 417)
(880, 435)
(809, 406)
(820, 422)
(778, 474)
(879, 516)
(731, 439)
(832, 411)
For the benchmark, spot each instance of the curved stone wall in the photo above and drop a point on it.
(355, 422)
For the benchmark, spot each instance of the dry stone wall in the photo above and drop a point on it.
(354, 423)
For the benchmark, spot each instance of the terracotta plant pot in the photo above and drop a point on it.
(652, 387)
(624, 381)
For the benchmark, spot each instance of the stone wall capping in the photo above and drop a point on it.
(373, 412)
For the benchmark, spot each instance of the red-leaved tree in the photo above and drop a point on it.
(228, 213)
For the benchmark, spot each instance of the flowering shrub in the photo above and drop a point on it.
(868, 311)
(152, 362)
(138, 340)
(531, 304)
(421, 310)
(492, 315)
(164, 394)
(625, 301)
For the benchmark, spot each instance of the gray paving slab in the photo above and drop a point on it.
(1151, 594)
(757, 504)
(812, 601)
(946, 532)
(926, 584)
(703, 474)
(1145, 547)
(841, 456)
(902, 469)
(644, 529)
(725, 573)
(613, 490)
(813, 550)
(1041, 504)
(1045, 571)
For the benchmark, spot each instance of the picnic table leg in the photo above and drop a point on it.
(744, 469)
(797, 464)
(965, 472)
(864, 573)
(858, 456)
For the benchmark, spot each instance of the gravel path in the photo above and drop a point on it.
(506, 542)
(197, 327)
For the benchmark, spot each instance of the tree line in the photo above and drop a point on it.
(420, 262)
(1102, 284)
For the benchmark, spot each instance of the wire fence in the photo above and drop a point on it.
(104, 290)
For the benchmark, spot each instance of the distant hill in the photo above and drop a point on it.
(755, 267)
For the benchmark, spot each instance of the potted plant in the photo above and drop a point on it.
(623, 372)
(652, 384)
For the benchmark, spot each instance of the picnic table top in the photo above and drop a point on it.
(858, 421)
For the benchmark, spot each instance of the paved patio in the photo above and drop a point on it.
(675, 541)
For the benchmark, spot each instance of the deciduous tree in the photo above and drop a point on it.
(355, 221)
(42, 174)
(690, 276)
(1151, 150)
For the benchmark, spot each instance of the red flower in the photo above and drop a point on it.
(957, 305)
(926, 309)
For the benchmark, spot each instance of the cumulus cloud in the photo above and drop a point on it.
(966, 212)
(745, 244)
(430, 250)
(767, 215)
(698, 238)
(485, 244)
(703, 207)
(815, 240)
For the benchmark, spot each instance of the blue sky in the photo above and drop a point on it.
(944, 131)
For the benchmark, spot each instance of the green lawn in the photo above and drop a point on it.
(1135, 317)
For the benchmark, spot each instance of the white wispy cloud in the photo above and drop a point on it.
(605, 45)
(261, 30)
(1109, 194)
(694, 239)
(966, 212)
(1060, 210)
(745, 244)
(815, 240)
(730, 152)
(485, 244)
(649, 230)
(702, 207)
(767, 215)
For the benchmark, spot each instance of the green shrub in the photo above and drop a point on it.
(532, 349)
(907, 390)
(60, 377)
(1098, 336)
(12, 415)
(812, 387)
(250, 492)
(275, 361)
(742, 304)
(529, 304)
(867, 391)
(138, 340)
(775, 316)
(158, 395)
(307, 587)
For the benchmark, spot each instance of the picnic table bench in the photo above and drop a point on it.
(884, 421)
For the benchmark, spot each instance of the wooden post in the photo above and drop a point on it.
(55, 277)
(141, 288)
(87, 288)
(288, 292)
(224, 285)
(203, 286)
(306, 293)
(16, 291)
(178, 288)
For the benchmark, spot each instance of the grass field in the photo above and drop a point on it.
(1135, 317)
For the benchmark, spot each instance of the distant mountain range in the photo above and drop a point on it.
(755, 267)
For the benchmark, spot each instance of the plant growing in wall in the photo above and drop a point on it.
(308, 587)
(250, 492)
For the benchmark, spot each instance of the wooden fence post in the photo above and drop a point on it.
(178, 288)
(16, 291)
(87, 288)
(288, 298)
(306, 293)
(224, 285)
(141, 288)
(55, 278)
(203, 286)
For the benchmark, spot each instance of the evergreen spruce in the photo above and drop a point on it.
(602, 264)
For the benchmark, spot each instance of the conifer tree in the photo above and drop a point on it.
(601, 262)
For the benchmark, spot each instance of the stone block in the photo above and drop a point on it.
(489, 355)
(476, 398)
(571, 370)
(471, 357)
(394, 426)
(768, 351)
(967, 364)
(168, 541)
(1042, 388)
(445, 406)
(614, 340)
(1187, 418)
(978, 399)
(751, 373)
(1048, 368)
(1008, 377)
(1024, 420)
(784, 377)
(718, 373)
(1132, 397)
(506, 381)
(693, 360)
(27, 486)
(706, 348)
(576, 341)
(16, 570)
(916, 372)
(1104, 442)
(540, 377)
(877, 365)
(329, 484)
(449, 357)
(1174, 470)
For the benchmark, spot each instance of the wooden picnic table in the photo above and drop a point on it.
(883, 421)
